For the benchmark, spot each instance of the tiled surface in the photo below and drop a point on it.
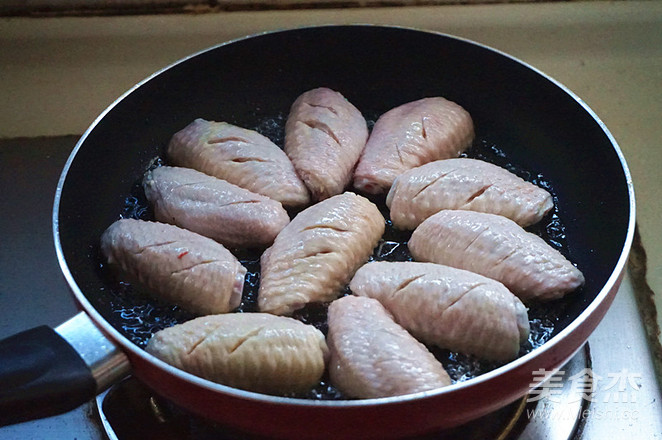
(58, 74)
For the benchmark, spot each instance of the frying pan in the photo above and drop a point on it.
(251, 82)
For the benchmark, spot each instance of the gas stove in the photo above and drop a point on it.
(607, 390)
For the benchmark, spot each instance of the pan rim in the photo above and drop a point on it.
(127, 345)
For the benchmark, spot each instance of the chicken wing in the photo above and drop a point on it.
(447, 307)
(409, 136)
(176, 265)
(498, 248)
(324, 137)
(251, 351)
(317, 253)
(464, 183)
(372, 356)
(231, 215)
(240, 156)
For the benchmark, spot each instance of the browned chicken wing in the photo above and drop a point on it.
(231, 215)
(176, 265)
(372, 356)
(317, 253)
(498, 248)
(448, 307)
(240, 156)
(251, 351)
(464, 183)
(324, 137)
(409, 136)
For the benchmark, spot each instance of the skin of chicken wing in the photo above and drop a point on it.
(464, 183)
(175, 265)
(498, 248)
(227, 213)
(251, 351)
(409, 136)
(240, 156)
(324, 137)
(372, 356)
(317, 253)
(451, 308)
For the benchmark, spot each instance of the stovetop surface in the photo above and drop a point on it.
(625, 399)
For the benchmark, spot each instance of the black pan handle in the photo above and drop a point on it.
(44, 372)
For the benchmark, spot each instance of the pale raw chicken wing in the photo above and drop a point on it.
(231, 215)
(372, 356)
(324, 137)
(464, 183)
(448, 307)
(498, 248)
(317, 253)
(409, 136)
(176, 265)
(251, 351)
(240, 156)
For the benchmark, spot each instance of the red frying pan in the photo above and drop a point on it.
(524, 119)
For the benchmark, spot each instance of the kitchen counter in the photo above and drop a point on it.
(58, 74)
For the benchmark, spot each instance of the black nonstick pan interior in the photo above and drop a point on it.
(523, 121)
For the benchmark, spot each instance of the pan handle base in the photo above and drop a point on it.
(106, 361)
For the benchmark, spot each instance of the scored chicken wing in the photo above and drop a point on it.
(409, 136)
(212, 207)
(251, 351)
(447, 307)
(371, 356)
(176, 265)
(498, 248)
(324, 137)
(240, 156)
(317, 253)
(464, 183)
